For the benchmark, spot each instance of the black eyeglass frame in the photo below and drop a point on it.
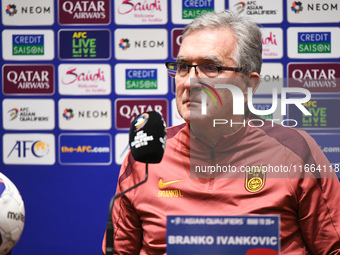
(219, 68)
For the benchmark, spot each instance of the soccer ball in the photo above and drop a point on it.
(12, 215)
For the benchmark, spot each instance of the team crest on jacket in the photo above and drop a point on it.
(255, 178)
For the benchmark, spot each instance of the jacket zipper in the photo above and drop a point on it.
(212, 156)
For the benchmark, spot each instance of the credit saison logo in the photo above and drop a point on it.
(86, 44)
(193, 9)
(314, 42)
(28, 44)
(84, 12)
(141, 78)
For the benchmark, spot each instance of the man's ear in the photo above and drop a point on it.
(254, 81)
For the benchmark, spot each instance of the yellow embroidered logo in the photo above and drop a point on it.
(255, 178)
(162, 184)
(170, 193)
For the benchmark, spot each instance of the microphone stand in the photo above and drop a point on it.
(109, 224)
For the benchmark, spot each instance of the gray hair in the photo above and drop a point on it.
(248, 53)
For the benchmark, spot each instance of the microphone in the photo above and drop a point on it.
(147, 139)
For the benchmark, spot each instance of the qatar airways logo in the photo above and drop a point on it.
(73, 12)
(84, 79)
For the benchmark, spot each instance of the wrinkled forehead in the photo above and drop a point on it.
(208, 45)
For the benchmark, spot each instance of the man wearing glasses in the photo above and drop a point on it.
(220, 47)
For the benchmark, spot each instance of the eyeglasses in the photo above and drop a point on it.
(183, 69)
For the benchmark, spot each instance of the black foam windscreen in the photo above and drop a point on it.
(147, 137)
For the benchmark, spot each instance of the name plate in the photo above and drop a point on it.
(242, 234)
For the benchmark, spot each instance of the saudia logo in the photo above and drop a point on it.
(128, 6)
(194, 9)
(73, 76)
(270, 40)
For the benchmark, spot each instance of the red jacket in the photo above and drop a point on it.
(308, 203)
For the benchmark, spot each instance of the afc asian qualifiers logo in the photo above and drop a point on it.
(255, 178)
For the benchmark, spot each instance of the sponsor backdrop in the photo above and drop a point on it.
(75, 73)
